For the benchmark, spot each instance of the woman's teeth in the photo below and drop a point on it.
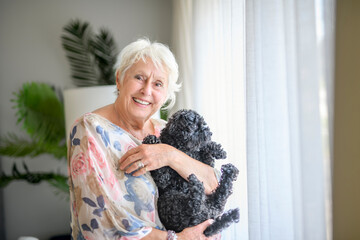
(141, 102)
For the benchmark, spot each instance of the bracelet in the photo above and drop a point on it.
(171, 235)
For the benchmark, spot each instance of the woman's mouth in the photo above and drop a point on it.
(141, 101)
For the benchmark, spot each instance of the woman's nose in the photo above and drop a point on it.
(146, 90)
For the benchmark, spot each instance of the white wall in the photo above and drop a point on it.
(30, 50)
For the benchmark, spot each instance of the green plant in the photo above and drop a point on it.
(41, 114)
(39, 109)
(91, 56)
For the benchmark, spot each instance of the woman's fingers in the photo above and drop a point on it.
(205, 224)
(129, 153)
(196, 232)
(153, 156)
(141, 171)
(202, 226)
(134, 159)
(129, 158)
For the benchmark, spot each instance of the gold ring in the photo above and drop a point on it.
(140, 164)
(145, 168)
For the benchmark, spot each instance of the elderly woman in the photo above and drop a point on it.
(112, 193)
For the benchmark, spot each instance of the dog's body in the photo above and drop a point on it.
(183, 203)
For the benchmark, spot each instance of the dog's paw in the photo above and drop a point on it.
(230, 170)
(151, 139)
(222, 222)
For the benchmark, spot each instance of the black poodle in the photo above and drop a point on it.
(182, 203)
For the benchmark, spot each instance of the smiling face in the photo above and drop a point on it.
(142, 92)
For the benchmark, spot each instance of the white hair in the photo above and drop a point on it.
(160, 55)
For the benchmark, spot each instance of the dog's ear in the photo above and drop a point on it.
(215, 150)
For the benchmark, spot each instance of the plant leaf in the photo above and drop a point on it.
(92, 57)
(41, 112)
(105, 52)
(14, 146)
(60, 182)
(77, 42)
(54, 179)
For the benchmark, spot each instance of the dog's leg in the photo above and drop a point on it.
(172, 209)
(222, 222)
(181, 209)
(217, 199)
(196, 201)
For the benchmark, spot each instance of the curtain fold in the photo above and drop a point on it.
(213, 75)
(288, 155)
(182, 43)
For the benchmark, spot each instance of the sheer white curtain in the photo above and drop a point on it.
(209, 46)
(284, 186)
(288, 59)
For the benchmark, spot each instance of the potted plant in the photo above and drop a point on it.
(92, 58)
(41, 113)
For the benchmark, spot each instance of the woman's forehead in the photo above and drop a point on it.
(148, 66)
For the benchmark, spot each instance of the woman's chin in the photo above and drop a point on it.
(143, 113)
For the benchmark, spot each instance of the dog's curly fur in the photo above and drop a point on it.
(182, 203)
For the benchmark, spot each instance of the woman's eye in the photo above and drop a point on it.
(159, 84)
(139, 77)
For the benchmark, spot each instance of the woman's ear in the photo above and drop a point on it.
(118, 85)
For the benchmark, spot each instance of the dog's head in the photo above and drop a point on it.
(186, 130)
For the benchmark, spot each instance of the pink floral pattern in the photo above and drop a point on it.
(79, 164)
(96, 154)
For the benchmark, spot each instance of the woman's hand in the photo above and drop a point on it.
(191, 233)
(151, 156)
(147, 157)
(196, 232)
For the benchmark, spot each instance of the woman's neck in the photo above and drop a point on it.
(138, 129)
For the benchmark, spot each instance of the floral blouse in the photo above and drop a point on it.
(107, 203)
